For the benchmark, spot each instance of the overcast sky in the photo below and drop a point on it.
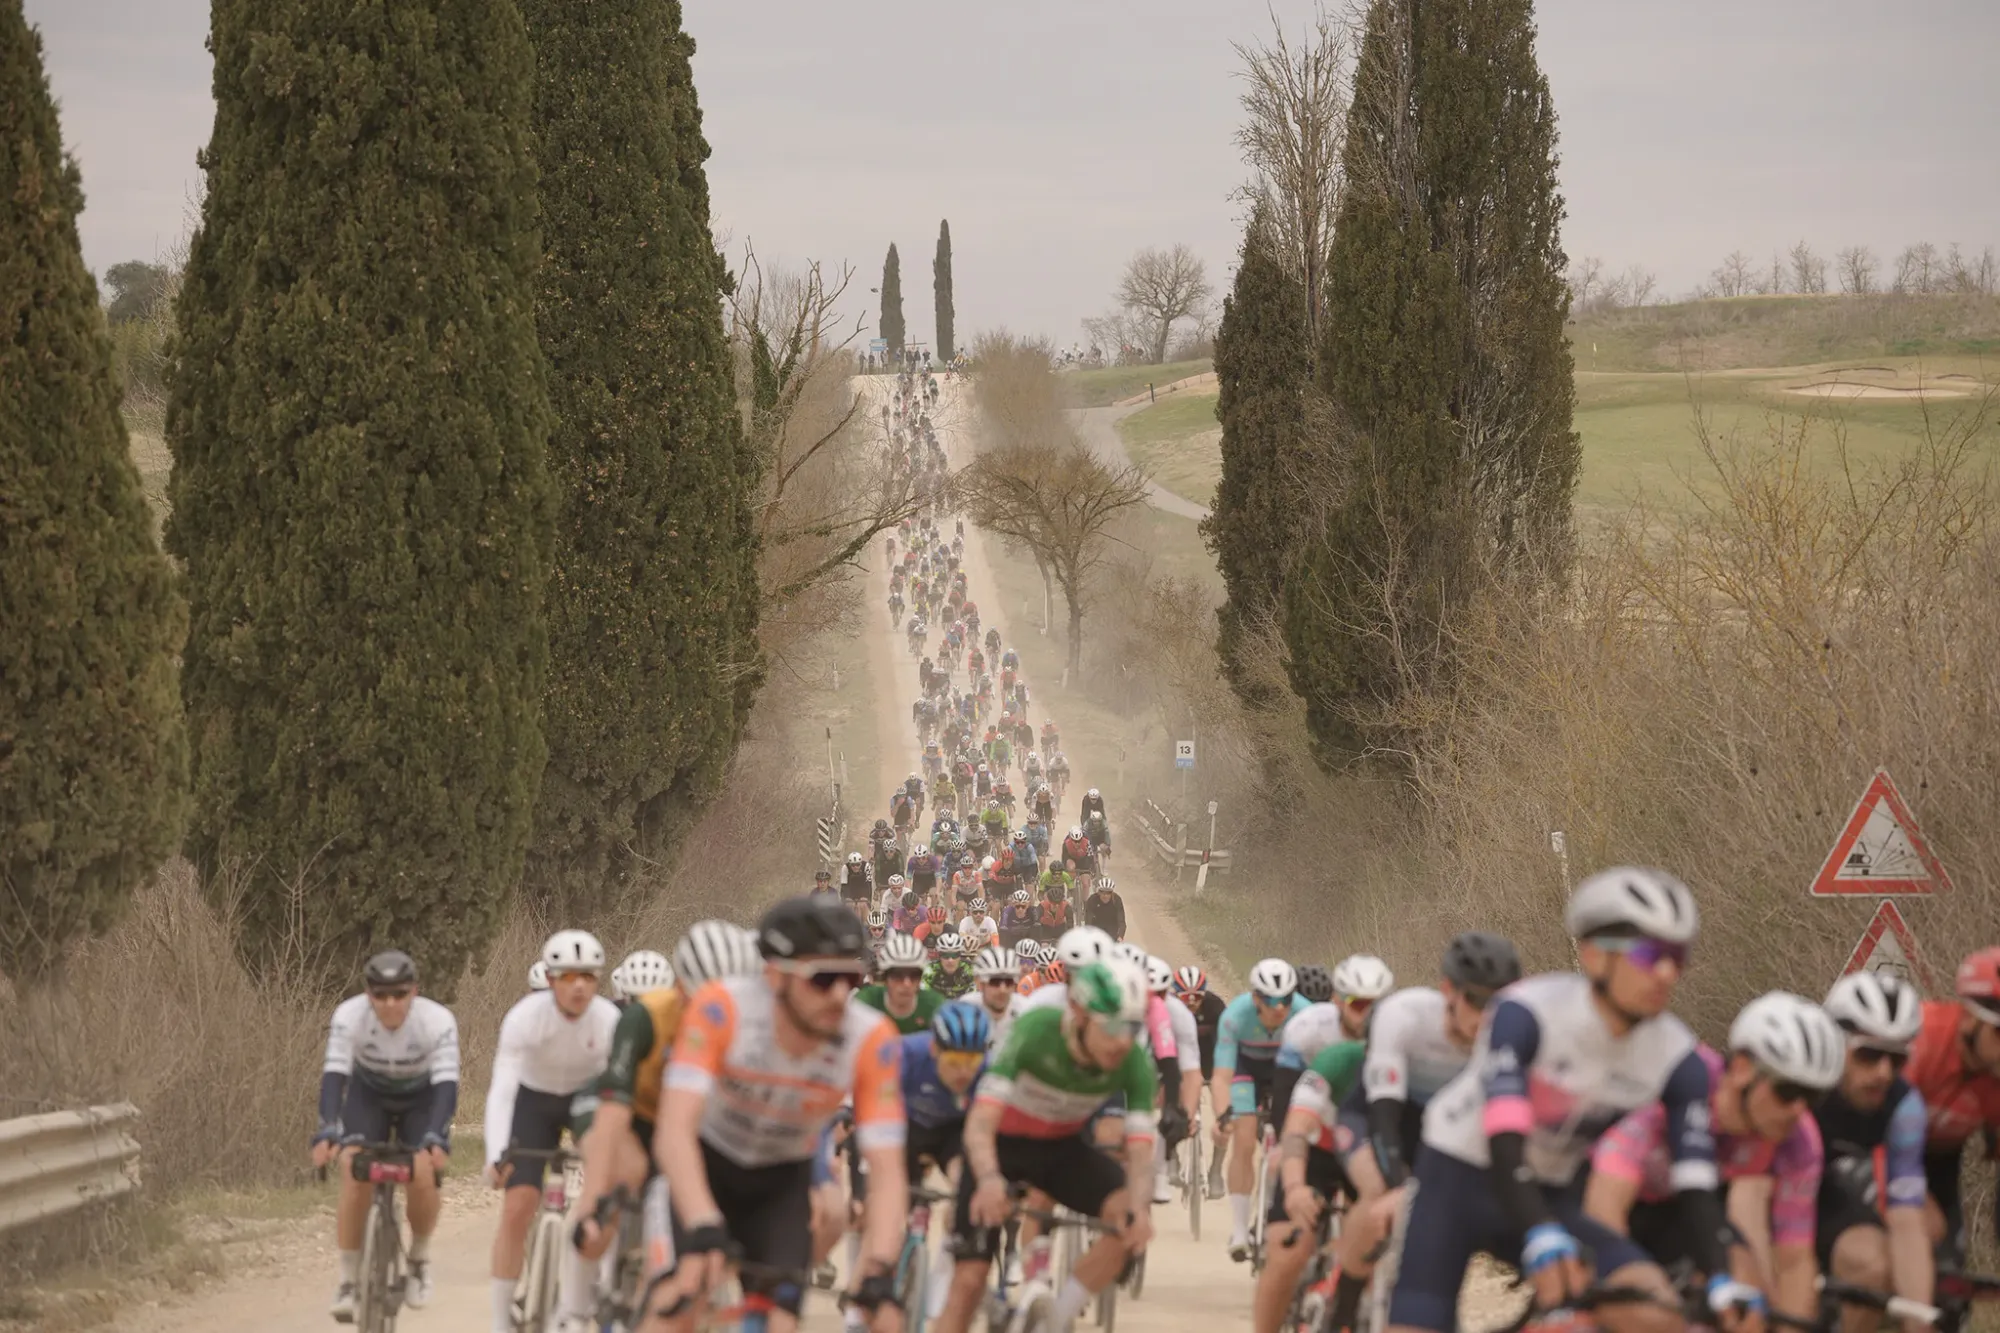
(1061, 135)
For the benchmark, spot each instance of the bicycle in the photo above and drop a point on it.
(1193, 1184)
(913, 1264)
(1033, 1309)
(380, 1285)
(541, 1270)
(623, 1272)
(1260, 1197)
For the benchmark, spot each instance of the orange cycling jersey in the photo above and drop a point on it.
(766, 1106)
(1959, 1102)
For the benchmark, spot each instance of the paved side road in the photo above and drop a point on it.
(1099, 428)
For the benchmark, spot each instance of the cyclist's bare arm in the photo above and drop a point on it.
(677, 1148)
(1912, 1264)
(887, 1211)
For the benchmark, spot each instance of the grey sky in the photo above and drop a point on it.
(1060, 135)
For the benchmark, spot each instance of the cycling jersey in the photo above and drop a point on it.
(1002, 1023)
(1043, 1093)
(1546, 1067)
(1187, 1034)
(1851, 1137)
(1328, 1078)
(1156, 1036)
(927, 1102)
(1958, 1101)
(544, 1050)
(765, 1106)
(984, 929)
(1410, 1051)
(917, 1020)
(1241, 1039)
(1635, 1149)
(949, 985)
(422, 1052)
(640, 1045)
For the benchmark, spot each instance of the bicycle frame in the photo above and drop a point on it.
(541, 1271)
(379, 1296)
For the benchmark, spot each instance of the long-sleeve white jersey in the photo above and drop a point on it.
(545, 1049)
(423, 1051)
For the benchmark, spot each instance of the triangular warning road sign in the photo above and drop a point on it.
(1881, 850)
(1888, 946)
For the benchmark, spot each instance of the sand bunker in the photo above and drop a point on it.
(1841, 389)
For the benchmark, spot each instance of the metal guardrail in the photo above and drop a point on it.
(64, 1160)
(1167, 839)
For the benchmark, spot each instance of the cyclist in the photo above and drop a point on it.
(762, 1065)
(901, 994)
(979, 927)
(538, 975)
(640, 972)
(1098, 829)
(1316, 985)
(1078, 852)
(1317, 1066)
(1027, 867)
(1955, 1064)
(923, 868)
(1017, 918)
(1868, 1236)
(889, 856)
(857, 879)
(391, 1065)
(1027, 1125)
(1246, 1047)
(1560, 1058)
(1418, 1040)
(1783, 1052)
(1058, 774)
(1191, 985)
(998, 974)
(936, 925)
(1105, 909)
(1176, 1117)
(949, 975)
(939, 1069)
(1093, 804)
(553, 1045)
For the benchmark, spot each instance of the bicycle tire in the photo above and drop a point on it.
(392, 1269)
(1259, 1202)
(912, 1274)
(1195, 1183)
(368, 1299)
(1135, 1285)
(1107, 1308)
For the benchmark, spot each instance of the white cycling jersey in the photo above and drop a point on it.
(1016, 1006)
(979, 927)
(423, 1051)
(1054, 995)
(1410, 1053)
(1187, 1038)
(544, 1049)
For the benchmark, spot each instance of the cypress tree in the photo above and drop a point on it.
(892, 302)
(651, 576)
(93, 756)
(360, 493)
(1263, 366)
(1443, 357)
(941, 290)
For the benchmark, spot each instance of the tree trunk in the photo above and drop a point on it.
(1160, 342)
(1048, 595)
(1075, 636)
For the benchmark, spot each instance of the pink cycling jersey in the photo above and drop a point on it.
(1635, 1149)
(1160, 1028)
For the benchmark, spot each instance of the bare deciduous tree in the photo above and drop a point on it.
(1917, 270)
(1295, 102)
(1734, 276)
(1586, 278)
(1808, 270)
(1640, 284)
(1162, 286)
(1857, 270)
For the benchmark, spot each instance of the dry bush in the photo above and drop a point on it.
(1015, 391)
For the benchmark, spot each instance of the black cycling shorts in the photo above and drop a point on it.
(369, 1115)
(1323, 1173)
(1661, 1230)
(1071, 1171)
(938, 1143)
(1840, 1211)
(539, 1121)
(767, 1210)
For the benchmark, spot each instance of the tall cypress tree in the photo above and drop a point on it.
(1443, 356)
(93, 756)
(1263, 367)
(941, 290)
(360, 492)
(892, 302)
(650, 577)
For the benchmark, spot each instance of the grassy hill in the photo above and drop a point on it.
(1747, 332)
(1101, 388)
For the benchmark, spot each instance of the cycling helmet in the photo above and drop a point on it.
(1076, 830)
(1313, 1029)
(855, 858)
(899, 951)
(1082, 944)
(877, 923)
(922, 849)
(642, 971)
(1478, 961)
(810, 928)
(897, 881)
(1790, 1038)
(1886, 1010)
(1020, 835)
(1315, 983)
(1363, 976)
(909, 899)
(1114, 988)
(1020, 897)
(968, 944)
(1632, 898)
(1027, 952)
(1105, 884)
(1092, 794)
(961, 1026)
(978, 905)
(1978, 984)
(573, 951)
(712, 950)
(538, 975)
(391, 967)
(1131, 953)
(1191, 980)
(1054, 971)
(1159, 975)
(986, 864)
(935, 912)
(1048, 953)
(1275, 978)
(993, 961)
(949, 942)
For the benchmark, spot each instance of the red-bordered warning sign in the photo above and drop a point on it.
(1888, 946)
(1880, 851)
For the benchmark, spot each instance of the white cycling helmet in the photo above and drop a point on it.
(900, 950)
(1082, 944)
(1131, 953)
(1363, 976)
(1313, 1029)
(538, 975)
(1274, 978)
(1027, 953)
(1126, 994)
(642, 971)
(1636, 898)
(1790, 1038)
(1159, 975)
(950, 942)
(573, 951)
(715, 949)
(994, 961)
(1886, 1010)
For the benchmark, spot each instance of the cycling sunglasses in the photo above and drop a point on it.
(1123, 1028)
(824, 976)
(1476, 1000)
(1359, 1004)
(957, 1062)
(904, 974)
(1792, 1094)
(1875, 1055)
(1645, 952)
(1008, 982)
(391, 993)
(1268, 1002)
(573, 972)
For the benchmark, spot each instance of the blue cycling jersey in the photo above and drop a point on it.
(926, 1100)
(1242, 1037)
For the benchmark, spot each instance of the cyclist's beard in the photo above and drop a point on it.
(799, 1020)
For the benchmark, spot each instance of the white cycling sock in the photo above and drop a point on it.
(1239, 1208)
(420, 1246)
(350, 1265)
(579, 1284)
(1070, 1302)
(503, 1304)
(853, 1255)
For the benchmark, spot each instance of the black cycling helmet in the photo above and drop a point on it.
(391, 967)
(810, 928)
(1315, 983)
(1481, 961)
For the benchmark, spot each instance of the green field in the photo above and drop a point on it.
(1101, 388)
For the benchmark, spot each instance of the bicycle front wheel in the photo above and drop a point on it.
(912, 1283)
(1195, 1183)
(370, 1299)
